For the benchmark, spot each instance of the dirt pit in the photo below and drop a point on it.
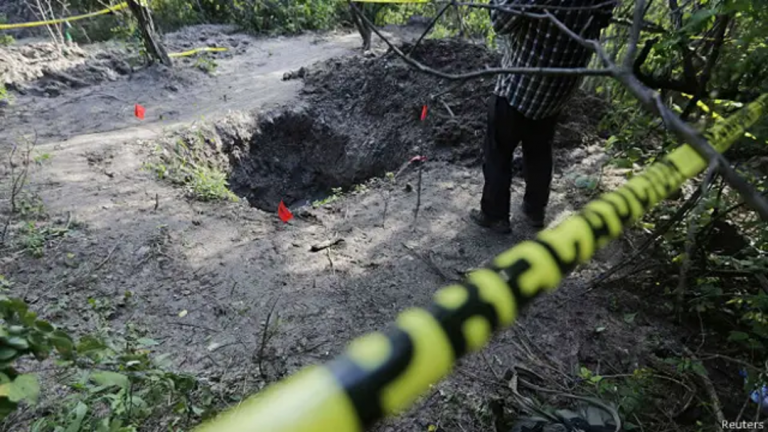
(296, 158)
(363, 119)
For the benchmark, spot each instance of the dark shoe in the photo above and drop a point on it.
(533, 217)
(500, 226)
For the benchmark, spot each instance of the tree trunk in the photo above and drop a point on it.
(155, 49)
(365, 32)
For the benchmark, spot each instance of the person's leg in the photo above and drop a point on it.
(503, 135)
(537, 166)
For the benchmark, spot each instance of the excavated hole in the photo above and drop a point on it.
(297, 157)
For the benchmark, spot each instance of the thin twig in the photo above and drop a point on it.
(448, 108)
(690, 242)
(427, 259)
(418, 194)
(634, 35)
(198, 326)
(109, 255)
(710, 389)
(429, 28)
(732, 360)
(265, 337)
(326, 245)
(484, 72)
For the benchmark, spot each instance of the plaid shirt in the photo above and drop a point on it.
(531, 42)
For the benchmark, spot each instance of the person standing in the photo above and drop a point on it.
(524, 107)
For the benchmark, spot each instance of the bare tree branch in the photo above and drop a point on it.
(706, 74)
(479, 73)
(541, 6)
(428, 29)
(647, 26)
(634, 35)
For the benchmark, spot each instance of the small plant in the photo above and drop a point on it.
(210, 185)
(42, 158)
(5, 97)
(184, 165)
(206, 64)
(336, 194)
(34, 236)
(112, 383)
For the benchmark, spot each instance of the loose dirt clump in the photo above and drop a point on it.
(43, 69)
(381, 99)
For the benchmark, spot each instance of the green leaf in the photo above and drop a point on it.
(634, 154)
(79, 414)
(18, 343)
(699, 368)
(89, 344)
(63, 345)
(699, 18)
(737, 336)
(630, 318)
(623, 163)
(24, 387)
(6, 407)
(163, 361)
(107, 378)
(44, 326)
(146, 342)
(7, 353)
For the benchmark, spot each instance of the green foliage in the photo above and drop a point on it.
(336, 194)
(210, 185)
(287, 16)
(206, 64)
(461, 21)
(23, 334)
(113, 384)
(186, 164)
(5, 97)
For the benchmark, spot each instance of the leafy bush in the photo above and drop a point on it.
(288, 16)
(113, 384)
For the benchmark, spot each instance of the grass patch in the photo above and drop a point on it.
(192, 163)
(336, 194)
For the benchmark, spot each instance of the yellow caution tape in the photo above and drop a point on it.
(383, 373)
(717, 116)
(197, 50)
(63, 20)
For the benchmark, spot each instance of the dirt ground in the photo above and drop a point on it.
(347, 120)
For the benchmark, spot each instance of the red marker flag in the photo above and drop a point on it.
(284, 213)
(423, 113)
(138, 111)
(418, 159)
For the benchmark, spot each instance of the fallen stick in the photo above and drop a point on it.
(710, 389)
(325, 245)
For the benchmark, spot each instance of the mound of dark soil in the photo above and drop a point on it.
(379, 101)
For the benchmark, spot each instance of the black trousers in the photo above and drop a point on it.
(507, 127)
